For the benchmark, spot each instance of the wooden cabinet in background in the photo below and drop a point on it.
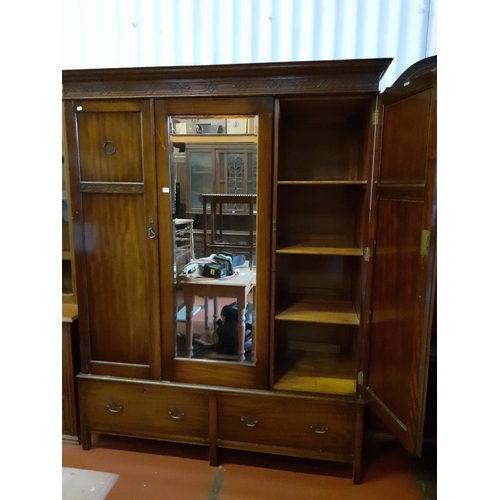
(70, 359)
(70, 368)
(345, 223)
(68, 260)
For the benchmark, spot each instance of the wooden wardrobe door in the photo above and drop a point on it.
(113, 185)
(404, 257)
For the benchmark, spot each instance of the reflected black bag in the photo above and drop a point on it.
(225, 339)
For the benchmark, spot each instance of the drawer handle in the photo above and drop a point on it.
(249, 421)
(319, 428)
(176, 414)
(151, 229)
(114, 408)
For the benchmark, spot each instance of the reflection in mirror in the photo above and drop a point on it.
(213, 162)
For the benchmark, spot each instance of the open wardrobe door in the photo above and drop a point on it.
(404, 263)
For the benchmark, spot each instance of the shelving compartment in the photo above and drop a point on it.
(324, 171)
(325, 139)
(317, 316)
(315, 358)
(321, 219)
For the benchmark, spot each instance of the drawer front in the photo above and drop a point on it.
(318, 426)
(146, 410)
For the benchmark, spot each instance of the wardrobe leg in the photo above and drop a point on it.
(212, 429)
(358, 445)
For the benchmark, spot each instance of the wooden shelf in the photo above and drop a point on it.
(326, 373)
(323, 182)
(211, 139)
(66, 255)
(69, 313)
(331, 311)
(322, 246)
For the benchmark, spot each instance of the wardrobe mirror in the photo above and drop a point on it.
(213, 164)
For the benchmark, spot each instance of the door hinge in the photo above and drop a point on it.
(360, 378)
(274, 226)
(375, 117)
(424, 243)
(366, 254)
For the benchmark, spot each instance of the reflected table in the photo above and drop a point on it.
(237, 286)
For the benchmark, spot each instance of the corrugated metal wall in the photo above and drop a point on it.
(135, 33)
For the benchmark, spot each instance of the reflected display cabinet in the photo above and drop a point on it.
(219, 159)
(334, 313)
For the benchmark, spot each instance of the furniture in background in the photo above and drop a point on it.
(70, 368)
(345, 232)
(184, 243)
(237, 286)
(68, 260)
(214, 237)
(184, 253)
(219, 163)
(70, 340)
(228, 167)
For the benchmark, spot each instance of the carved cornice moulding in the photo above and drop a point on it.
(222, 87)
(231, 80)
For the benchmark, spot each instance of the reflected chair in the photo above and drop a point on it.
(218, 209)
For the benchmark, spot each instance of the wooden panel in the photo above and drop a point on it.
(113, 202)
(215, 373)
(404, 269)
(317, 372)
(323, 139)
(404, 156)
(69, 313)
(322, 246)
(121, 131)
(395, 299)
(320, 212)
(324, 428)
(260, 79)
(320, 275)
(117, 277)
(146, 410)
(322, 310)
(70, 366)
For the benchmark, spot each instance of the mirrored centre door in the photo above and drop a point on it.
(214, 160)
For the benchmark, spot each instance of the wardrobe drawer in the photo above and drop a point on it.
(325, 428)
(145, 410)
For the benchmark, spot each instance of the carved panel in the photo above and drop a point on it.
(222, 87)
(112, 187)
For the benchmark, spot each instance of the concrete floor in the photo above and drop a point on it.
(152, 470)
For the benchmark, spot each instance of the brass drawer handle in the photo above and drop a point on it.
(319, 428)
(176, 414)
(114, 408)
(249, 421)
